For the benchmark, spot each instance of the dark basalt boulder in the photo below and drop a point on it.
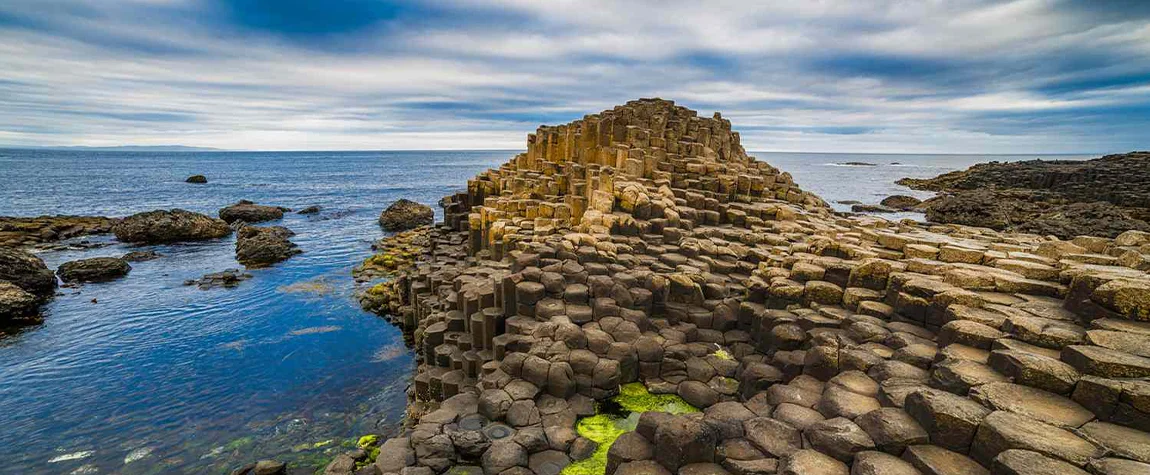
(263, 246)
(197, 179)
(169, 226)
(900, 202)
(406, 214)
(250, 212)
(96, 269)
(27, 272)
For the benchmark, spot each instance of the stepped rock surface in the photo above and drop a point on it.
(643, 245)
(1066, 198)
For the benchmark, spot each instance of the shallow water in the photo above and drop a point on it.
(145, 375)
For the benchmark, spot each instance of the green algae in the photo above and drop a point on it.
(723, 354)
(617, 417)
(366, 441)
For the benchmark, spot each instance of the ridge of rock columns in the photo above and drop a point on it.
(643, 245)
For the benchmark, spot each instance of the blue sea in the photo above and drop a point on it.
(145, 375)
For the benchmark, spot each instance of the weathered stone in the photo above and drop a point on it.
(950, 420)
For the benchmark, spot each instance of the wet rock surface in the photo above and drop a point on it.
(162, 226)
(643, 246)
(196, 179)
(96, 269)
(250, 212)
(406, 214)
(1101, 197)
(262, 246)
(25, 284)
(42, 230)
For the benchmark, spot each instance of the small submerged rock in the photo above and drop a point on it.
(313, 209)
(263, 467)
(405, 214)
(249, 212)
(857, 164)
(96, 269)
(263, 246)
(197, 179)
(228, 278)
(141, 256)
(862, 208)
(161, 226)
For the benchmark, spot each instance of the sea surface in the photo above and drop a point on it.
(145, 375)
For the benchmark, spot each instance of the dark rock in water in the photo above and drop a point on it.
(871, 209)
(1066, 198)
(849, 202)
(16, 302)
(198, 179)
(310, 210)
(858, 164)
(263, 246)
(17, 231)
(250, 212)
(263, 467)
(27, 272)
(227, 278)
(406, 214)
(141, 256)
(96, 269)
(169, 226)
(900, 202)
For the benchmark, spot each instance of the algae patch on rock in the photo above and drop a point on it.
(617, 416)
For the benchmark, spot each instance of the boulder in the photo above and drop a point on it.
(16, 302)
(96, 269)
(197, 179)
(169, 226)
(141, 256)
(900, 202)
(249, 212)
(406, 214)
(27, 272)
(313, 209)
(263, 246)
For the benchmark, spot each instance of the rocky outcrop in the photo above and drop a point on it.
(1064, 198)
(16, 303)
(17, 232)
(197, 179)
(643, 245)
(258, 246)
(175, 225)
(405, 214)
(250, 212)
(313, 209)
(96, 269)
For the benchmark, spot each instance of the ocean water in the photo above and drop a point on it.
(145, 375)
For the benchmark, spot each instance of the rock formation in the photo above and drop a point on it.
(258, 246)
(642, 244)
(1065, 198)
(162, 226)
(95, 269)
(405, 214)
(197, 179)
(19, 232)
(250, 212)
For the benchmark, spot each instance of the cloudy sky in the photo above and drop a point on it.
(952, 76)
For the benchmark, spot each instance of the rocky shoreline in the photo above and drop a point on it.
(1065, 198)
(640, 251)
